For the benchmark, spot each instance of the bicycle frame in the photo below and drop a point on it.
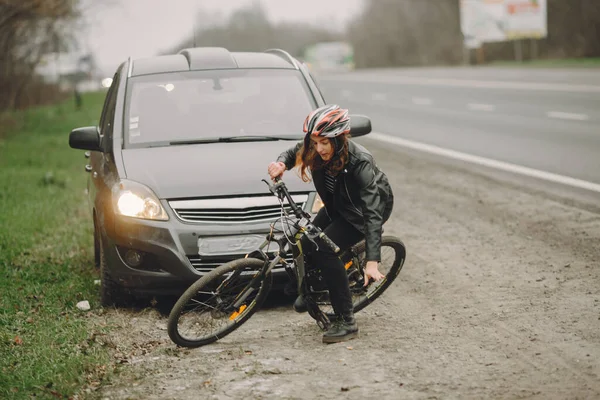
(284, 247)
(301, 226)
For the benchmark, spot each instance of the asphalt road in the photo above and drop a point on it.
(542, 119)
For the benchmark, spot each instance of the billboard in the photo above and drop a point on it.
(526, 19)
(484, 21)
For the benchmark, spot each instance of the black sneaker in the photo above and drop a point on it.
(300, 305)
(341, 330)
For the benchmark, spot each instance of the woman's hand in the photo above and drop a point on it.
(372, 272)
(276, 169)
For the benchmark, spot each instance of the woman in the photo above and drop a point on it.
(357, 199)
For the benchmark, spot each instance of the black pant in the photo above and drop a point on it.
(332, 268)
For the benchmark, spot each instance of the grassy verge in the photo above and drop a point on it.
(46, 261)
(558, 63)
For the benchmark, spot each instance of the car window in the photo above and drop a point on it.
(207, 104)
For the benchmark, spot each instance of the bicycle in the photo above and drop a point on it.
(222, 300)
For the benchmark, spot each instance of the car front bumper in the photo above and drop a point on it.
(170, 259)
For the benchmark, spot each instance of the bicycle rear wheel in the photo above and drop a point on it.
(393, 254)
(205, 312)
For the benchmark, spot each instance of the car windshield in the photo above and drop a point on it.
(195, 105)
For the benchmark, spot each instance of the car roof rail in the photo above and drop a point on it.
(283, 54)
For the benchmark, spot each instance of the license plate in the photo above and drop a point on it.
(228, 245)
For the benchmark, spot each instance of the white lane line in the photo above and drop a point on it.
(569, 116)
(477, 84)
(504, 166)
(481, 107)
(422, 101)
(379, 96)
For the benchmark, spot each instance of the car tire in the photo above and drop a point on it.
(111, 294)
(96, 245)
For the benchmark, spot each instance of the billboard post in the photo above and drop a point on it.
(518, 50)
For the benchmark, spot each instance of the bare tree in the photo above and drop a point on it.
(28, 30)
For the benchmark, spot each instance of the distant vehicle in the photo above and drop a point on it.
(330, 56)
(177, 160)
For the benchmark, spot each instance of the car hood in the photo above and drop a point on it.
(212, 169)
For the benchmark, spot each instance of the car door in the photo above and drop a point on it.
(101, 172)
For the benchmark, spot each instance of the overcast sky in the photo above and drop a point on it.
(141, 28)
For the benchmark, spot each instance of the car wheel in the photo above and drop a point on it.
(111, 294)
(96, 245)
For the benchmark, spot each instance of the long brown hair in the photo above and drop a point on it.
(308, 160)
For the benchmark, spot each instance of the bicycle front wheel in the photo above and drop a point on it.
(207, 312)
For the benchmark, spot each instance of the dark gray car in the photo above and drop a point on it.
(177, 160)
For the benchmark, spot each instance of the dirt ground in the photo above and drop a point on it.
(499, 298)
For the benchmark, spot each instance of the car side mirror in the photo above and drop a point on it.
(85, 138)
(360, 125)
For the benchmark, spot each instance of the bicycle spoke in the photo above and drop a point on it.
(206, 311)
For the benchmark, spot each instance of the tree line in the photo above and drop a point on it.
(390, 33)
(249, 29)
(425, 32)
(387, 33)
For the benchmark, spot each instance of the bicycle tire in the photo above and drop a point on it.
(361, 302)
(214, 277)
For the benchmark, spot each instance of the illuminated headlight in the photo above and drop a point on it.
(317, 204)
(133, 199)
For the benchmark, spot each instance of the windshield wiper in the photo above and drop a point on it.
(229, 139)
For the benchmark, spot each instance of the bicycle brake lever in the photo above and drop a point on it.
(313, 241)
(272, 188)
(312, 235)
(268, 184)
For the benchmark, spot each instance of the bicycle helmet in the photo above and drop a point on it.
(327, 121)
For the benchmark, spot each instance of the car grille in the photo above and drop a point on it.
(207, 264)
(233, 210)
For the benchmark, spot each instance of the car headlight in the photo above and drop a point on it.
(132, 199)
(317, 204)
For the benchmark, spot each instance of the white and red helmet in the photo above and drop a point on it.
(327, 121)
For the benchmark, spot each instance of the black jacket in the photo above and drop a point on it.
(362, 194)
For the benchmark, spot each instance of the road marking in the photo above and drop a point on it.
(481, 107)
(379, 96)
(565, 115)
(504, 166)
(478, 84)
(422, 101)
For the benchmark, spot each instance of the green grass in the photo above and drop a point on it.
(557, 63)
(46, 260)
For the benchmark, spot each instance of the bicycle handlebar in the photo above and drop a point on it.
(279, 189)
(329, 242)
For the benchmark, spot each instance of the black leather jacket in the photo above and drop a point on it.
(362, 194)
